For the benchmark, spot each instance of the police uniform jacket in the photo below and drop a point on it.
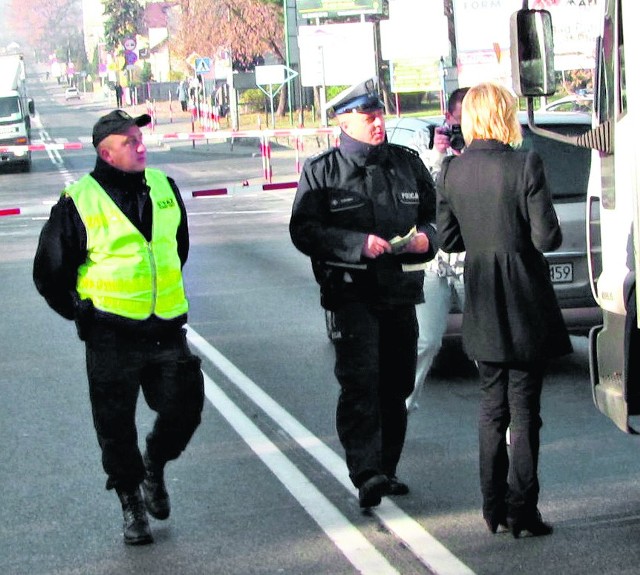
(494, 202)
(352, 191)
(62, 249)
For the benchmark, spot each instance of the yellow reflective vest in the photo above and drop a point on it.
(124, 274)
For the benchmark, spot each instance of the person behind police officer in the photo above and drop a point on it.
(443, 276)
(110, 257)
(351, 201)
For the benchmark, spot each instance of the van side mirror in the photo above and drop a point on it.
(532, 66)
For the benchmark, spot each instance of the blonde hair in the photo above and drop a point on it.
(489, 112)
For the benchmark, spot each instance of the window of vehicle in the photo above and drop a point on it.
(570, 106)
(567, 167)
(9, 107)
(403, 137)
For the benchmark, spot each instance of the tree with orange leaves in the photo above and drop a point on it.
(246, 28)
(55, 24)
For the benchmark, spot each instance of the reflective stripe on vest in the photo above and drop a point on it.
(124, 274)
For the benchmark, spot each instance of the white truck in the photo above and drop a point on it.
(16, 109)
(613, 206)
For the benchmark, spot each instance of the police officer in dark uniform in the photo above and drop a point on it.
(110, 257)
(364, 214)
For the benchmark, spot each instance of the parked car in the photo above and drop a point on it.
(71, 93)
(567, 169)
(570, 103)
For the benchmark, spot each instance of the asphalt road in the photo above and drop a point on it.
(262, 487)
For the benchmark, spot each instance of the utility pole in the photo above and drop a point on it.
(287, 58)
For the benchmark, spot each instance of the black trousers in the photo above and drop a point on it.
(375, 366)
(169, 375)
(510, 399)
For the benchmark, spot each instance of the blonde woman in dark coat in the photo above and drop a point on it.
(494, 203)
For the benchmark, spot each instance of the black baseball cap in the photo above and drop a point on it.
(116, 122)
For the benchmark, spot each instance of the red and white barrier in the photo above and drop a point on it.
(243, 187)
(264, 137)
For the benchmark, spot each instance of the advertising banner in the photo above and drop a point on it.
(336, 54)
(482, 35)
(334, 8)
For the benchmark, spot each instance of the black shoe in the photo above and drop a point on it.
(155, 493)
(135, 528)
(495, 521)
(396, 487)
(496, 518)
(534, 525)
(371, 491)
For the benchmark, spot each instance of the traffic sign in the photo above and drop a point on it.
(129, 44)
(130, 57)
(203, 65)
(191, 59)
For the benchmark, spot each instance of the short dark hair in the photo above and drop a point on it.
(456, 98)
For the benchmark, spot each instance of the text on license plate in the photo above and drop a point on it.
(561, 273)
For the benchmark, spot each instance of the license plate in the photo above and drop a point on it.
(561, 273)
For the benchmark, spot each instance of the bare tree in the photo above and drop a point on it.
(54, 24)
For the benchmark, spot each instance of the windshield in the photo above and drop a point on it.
(567, 167)
(9, 108)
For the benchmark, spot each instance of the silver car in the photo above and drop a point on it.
(567, 169)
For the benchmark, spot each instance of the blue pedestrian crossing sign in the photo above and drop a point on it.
(203, 65)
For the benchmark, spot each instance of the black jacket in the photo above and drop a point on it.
(494, 202)
(346, 194)
(62, 249)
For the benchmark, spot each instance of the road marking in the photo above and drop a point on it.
(54, 155)
(422, 544)
(346, 537)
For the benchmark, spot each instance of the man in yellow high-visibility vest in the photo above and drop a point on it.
(110, 257)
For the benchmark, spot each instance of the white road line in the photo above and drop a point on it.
(243, 212)
(355, 547)
(424, 546)
(54, 155)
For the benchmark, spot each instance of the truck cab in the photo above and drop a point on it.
(613, 205)
(16, 110)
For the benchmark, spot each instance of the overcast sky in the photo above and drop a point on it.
(4, 40)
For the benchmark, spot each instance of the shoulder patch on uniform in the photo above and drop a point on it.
(405, 149)
(320, 155)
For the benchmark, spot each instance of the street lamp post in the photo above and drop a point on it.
(167, 13)
(287, 56)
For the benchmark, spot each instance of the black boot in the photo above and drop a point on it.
(155, 493)
(136, 529)
(371, 491)
(532, 523)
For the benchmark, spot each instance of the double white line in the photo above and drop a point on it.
(356, 548)
(54, 155)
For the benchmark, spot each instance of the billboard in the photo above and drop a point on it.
(415, 75)
(413, 39)
(335, 8)
(482, 36)
(336, 54)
